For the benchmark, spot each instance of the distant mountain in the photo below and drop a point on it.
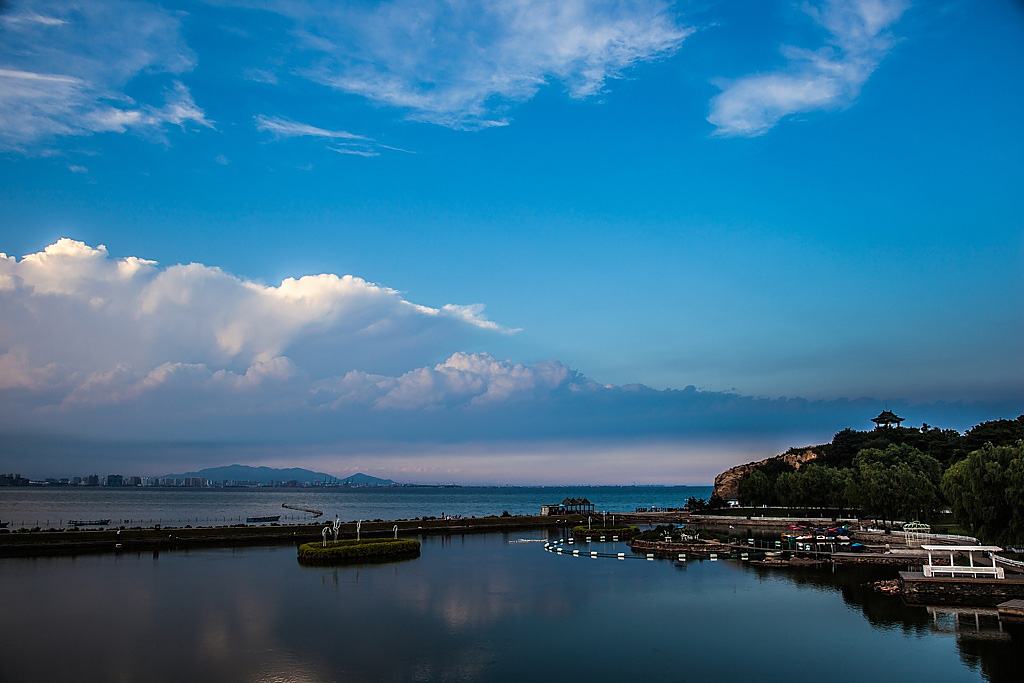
(265, 475)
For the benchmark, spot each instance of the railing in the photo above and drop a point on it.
(1007, 561)
(936, 570)
(970, 540)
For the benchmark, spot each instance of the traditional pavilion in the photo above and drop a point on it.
(887, 418)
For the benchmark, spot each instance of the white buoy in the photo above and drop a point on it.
(558, 550)
(615, 538)
(622, 556)
(602, 538)
(714, 557)
(570, 541)
(744, 557)
(576, 552)
(588, 539)
(593, 553)
(682, 557)
(650, 556)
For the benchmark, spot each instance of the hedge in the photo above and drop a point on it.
(351, 549)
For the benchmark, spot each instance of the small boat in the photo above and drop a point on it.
(88, 522)
(257, 520)
(3, 525)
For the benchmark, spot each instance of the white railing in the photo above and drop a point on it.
(1005, 560)
(933, 570)
(971, 540)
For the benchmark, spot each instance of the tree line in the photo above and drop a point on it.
(904, 473)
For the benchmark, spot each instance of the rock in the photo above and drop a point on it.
(727, 484)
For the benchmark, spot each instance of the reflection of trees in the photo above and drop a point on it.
(984, 642)
(998, 657)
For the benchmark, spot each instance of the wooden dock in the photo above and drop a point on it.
(1011, 610)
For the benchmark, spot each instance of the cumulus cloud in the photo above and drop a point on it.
(75, 308)
(64, 68)
(831, 76)
(459, 63)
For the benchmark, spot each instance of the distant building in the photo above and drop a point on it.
(195, 482)
(115, 480)
(886, 418)
(92, 480)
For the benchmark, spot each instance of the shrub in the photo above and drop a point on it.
(350, 549)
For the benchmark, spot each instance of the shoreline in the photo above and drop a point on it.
(63, 542)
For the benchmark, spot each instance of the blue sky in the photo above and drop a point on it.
(555, 218)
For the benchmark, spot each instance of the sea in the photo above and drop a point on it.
(52, 507)
(477, 607)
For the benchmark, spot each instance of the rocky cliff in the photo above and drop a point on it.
(727, 483)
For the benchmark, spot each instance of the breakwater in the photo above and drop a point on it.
(41, 543)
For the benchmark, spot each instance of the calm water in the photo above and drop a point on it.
(52, 507)
(474, 608)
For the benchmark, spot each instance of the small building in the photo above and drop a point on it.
(886, 418)
(578, 506)
(569, 506)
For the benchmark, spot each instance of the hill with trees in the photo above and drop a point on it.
(904, 473)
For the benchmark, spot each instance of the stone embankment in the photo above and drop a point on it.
(63, 542)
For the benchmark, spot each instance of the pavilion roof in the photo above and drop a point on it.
(887, 416)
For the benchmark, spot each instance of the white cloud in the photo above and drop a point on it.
(93, 320)
(458, 63)
(64, 68)
(344, 142)
(829, 77)
(284, 128)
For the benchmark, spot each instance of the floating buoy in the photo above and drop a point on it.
(593, 553)
(615, 538)
(744, 557)
(576, 553)
(650, 556)
(682, 557)
(714, 557)
(588, 539)
(622, 556)
(602, 538)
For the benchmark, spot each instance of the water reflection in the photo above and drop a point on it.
(474, 608)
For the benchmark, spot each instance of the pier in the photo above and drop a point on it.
(65, 542)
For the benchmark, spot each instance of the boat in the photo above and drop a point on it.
(88, 522)
(3, 525)
(257, 520)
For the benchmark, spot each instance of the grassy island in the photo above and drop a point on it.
(349, 550)
(623, 532)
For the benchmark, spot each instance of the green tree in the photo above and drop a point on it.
(986, 492)
(896, 482)
(756, 489)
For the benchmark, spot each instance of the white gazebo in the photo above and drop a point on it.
(976, 571)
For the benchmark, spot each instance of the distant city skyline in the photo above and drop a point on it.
(465, 242)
